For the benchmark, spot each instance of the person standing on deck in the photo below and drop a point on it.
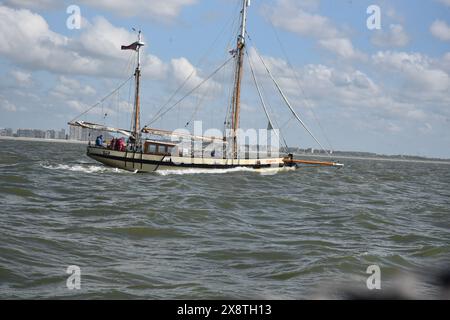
(99, 141)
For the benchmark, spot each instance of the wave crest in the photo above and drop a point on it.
(84, 168)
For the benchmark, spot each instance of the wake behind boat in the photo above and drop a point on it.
(145, 149)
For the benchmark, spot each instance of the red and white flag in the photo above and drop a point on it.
(134, 46)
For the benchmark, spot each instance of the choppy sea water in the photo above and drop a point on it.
(235, 234)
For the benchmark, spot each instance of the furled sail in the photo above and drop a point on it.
(166, 133)
(99, 127)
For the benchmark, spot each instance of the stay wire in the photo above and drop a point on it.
(200, 62)
(262, 100)
(287, 101)
(189, 93)
(300, 86)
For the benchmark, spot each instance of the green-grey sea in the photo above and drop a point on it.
(233, 234)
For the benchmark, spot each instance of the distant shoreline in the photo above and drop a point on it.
(42, 140)
(299, 155)
(380, 158)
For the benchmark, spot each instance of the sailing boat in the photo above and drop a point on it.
(142, 154)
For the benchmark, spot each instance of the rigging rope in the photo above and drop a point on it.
(300, 86)
(102, 100)
(263, 102)
(199, 63)
(189, 93)
(199, 104)
(289, 104)
(175, 93)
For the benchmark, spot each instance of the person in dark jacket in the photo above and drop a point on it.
(99, 141)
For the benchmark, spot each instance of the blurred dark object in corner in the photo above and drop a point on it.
(424, 285)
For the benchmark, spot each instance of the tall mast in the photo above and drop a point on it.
(137, 75)
(236, 102)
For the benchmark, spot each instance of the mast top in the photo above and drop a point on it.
(136, 46)
(139, 43)
(241, 38)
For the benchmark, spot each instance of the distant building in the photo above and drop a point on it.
(38, 134)
(50, 134)
(61, 134)
(84, 134)
(31, 133)
(79, 133)
(75, 133)
(25, 133)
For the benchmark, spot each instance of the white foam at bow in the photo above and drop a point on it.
(84, 168)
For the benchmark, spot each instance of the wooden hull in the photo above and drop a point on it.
(142, 162)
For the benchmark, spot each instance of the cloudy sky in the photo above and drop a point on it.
(384, 91)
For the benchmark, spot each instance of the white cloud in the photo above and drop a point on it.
(416, 71)
(394, 16)
(68, 87)
(444, 63)
(349, 87)
(292, 16)
(426, 128)
(154, 67)
(393, 128)
(80, 107)
(343, 47)
(155, 9)
(125, 106)
(162, 10)
(182, 69)
(102, 39)
(277, 66)
(33, 4)
(399, 91)
(27, 40)
(395, 37)
(6, 105)
(22, 78)
(445, 2)
(416, 86)
(441, 30)
(76, 105)
(416, 114)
